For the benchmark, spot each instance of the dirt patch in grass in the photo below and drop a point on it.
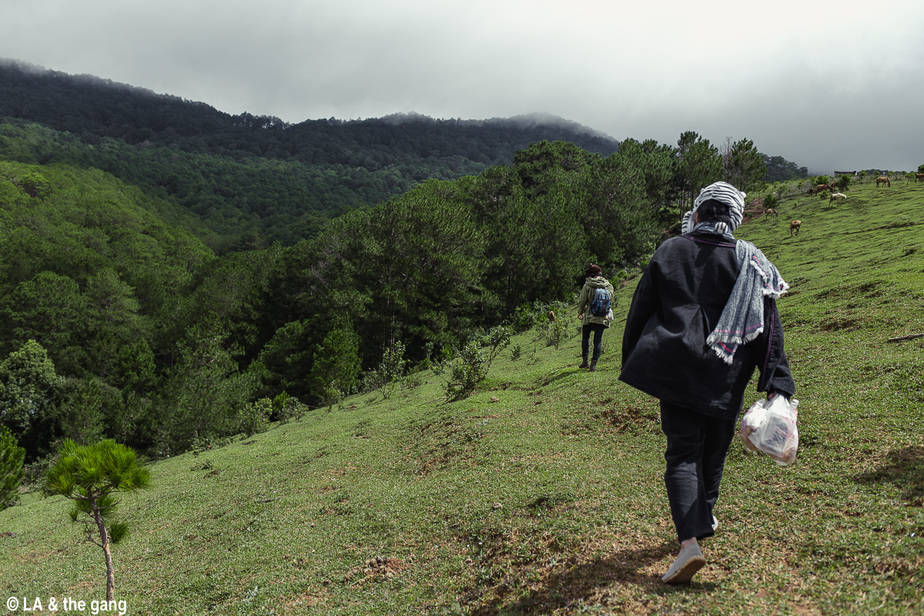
(442, 442)
(835, 324)
(297, 604)
(503, 561)
(614, 418)
(376, 569)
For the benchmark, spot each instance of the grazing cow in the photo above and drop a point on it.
(771, 212)
(837, 196)
(883, 179)
(918, 177)
(794, 227)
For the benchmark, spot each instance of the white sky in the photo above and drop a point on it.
(828, 85)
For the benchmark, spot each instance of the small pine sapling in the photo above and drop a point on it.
(90, 476)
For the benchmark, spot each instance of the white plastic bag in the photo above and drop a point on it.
(770, 426)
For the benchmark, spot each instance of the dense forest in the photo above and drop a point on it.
(184, 288)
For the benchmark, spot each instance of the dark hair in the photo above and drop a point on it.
(712, 210)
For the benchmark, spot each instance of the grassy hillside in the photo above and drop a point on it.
(543, 493)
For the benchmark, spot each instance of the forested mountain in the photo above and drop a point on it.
(143, 295)
(93, 108)
(253, 179)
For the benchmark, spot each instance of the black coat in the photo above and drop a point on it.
(675, 307)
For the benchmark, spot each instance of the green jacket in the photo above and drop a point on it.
(587, 296)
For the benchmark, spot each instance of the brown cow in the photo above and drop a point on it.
(794, 226)
(883, 179)
(771, 212)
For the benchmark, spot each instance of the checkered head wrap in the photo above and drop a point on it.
(723, 192)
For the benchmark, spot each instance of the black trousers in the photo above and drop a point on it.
(597, 329)
(696, 449)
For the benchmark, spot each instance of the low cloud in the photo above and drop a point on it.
(819, 84)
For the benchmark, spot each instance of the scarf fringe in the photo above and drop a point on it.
(737, 340)
(724, 355)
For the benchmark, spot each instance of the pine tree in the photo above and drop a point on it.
(90, 475)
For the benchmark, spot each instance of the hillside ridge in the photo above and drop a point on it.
(542, 492)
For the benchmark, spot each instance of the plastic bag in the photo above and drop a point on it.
(770, 426)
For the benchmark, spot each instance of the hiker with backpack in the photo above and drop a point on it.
(702, 318)
(595, 309)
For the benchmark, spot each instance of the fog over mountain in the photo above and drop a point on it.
(816, 82)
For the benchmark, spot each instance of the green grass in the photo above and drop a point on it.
(549, 498)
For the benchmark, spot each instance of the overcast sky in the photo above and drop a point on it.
(829, 85)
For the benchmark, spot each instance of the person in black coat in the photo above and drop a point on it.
(703, 317)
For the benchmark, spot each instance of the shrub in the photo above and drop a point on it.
(255, 416)
(474, 362)
(466, 371)
(331, 395)
(12, 457)
(555, 332)
(286, 408)
(387, 375)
